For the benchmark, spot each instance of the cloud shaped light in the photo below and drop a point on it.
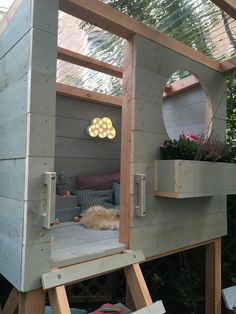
(101, 127)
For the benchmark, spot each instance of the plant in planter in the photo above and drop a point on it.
(193, 147)
(195, 166)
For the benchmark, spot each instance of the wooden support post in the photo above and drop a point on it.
(213, 277)
(129, 299)
(137, 286)
(58, 300)
(32, 302)
(11, 303)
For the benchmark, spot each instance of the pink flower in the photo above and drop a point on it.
(190, 136)
(194, 137)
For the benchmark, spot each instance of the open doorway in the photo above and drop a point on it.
(88, 175)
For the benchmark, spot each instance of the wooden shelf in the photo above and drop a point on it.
(191, 178)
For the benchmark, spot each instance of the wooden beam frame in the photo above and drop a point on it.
(110, 19)
(87, 62)
(32, 302)
(83, 94)
(126, 141)
(181, 85)
(93, 268)
(213, 277)
(12, 302)
(228, 66)
(10, 13)
(229, 6)
(140, 295)
(58, 300)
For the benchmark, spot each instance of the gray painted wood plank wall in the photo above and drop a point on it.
(185, 112)
(169, 224)
(28, 49)
(14, 67)
(40, 146)
(76, 153)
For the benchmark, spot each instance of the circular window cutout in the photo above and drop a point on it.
(186, 107)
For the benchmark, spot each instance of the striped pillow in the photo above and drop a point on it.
(88, 198)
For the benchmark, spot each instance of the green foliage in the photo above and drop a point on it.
(183, 148)
(193, 147)
(231, 109)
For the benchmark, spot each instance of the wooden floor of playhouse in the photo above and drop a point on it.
(73, 243)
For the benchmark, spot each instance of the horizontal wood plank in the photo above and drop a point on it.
(76, 128)
(105, 17)
(81, 148)
(90, 269)
(10, 261)
(13, 138)
(12, 178)
(88, 62)
(156, 240)
(186, 178)
(75, 167)
(86, 110)
(83, 94)
(35, 261)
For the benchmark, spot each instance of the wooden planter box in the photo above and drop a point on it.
(190, 178)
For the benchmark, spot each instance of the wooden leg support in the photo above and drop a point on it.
(58, 300)
(11, 303)
(213, 277)
(32, 302)
(137, 286)
(129, 299)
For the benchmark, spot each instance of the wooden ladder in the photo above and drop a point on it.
(33, 302)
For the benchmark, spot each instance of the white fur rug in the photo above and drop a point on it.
(98, 217)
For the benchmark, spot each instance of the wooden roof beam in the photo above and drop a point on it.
(88, 62)
(228, 66)
(229, 6)
(99, 14)
(181, 86)
(86, 95)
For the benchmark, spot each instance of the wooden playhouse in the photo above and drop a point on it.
(164, 208)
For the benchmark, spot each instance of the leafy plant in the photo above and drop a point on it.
(194, 147)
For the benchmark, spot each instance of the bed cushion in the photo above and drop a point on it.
(88, 198)
(98, 182)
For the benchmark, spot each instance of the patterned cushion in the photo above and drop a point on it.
(116, 191)
(88, 198)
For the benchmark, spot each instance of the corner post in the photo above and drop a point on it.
(213, 277)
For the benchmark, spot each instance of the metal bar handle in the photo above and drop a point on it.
(140, 180)
(49, 180)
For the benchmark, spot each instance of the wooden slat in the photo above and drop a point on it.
(11, 303)
(229, 6)
(88, 62)
(228, 66)
(213, 277)
(86, 270)
(80, 93)
(58, 300)
(107, 18)
(137, 286)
